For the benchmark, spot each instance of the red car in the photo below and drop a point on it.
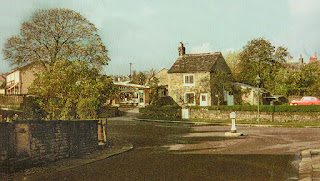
(307, 100)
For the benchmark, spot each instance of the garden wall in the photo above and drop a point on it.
(252, 115)
(38, 142)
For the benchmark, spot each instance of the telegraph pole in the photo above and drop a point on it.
(130, 70)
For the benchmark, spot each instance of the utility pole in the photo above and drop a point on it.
(130, 71)
(258, 84)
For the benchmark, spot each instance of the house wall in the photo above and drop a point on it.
(249, 97)
(177, 89)
(162, 76)
(11, 100)
(13, 77)
(23, 78)
(27, 78)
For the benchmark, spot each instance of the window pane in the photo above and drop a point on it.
(203, 97)
(190, 98)
(191, 79)
(186, 79)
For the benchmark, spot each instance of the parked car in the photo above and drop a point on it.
(307, 100)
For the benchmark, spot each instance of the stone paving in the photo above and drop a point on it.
(309, 166)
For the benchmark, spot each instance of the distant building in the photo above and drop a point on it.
(2, 82)
(314, 58)
(131, 95)
(19, 80)
(290, 59)
(120, 78)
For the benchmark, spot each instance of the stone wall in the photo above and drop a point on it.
(38, 142)
(5, 129)
(252, 115)
(11, 99)
(162, 76)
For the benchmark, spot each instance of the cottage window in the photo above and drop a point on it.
(189, 80)
(189, 98)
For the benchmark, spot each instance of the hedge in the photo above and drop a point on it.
(263, 108)
(167, 111)
(108, 111)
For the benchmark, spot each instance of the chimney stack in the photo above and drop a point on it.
(181, 49)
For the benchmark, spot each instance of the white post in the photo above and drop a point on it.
(233, 117)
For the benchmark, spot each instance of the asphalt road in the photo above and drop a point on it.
(170, 151)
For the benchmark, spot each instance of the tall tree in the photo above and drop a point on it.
(233, 60)
(263, 59)
(310, 79)
(70, 54)
(138, 78)
(55, 34)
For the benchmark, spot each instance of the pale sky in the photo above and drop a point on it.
(147, 32)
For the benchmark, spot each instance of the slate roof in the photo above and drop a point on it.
(195, 63)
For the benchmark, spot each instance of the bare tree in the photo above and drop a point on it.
(55, 34)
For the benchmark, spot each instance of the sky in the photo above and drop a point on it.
(147, 33)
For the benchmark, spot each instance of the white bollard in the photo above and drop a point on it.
(233, 117)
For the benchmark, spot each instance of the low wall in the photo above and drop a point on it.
(252, 115)
(11, 99)
(38, 142)
(5, 130)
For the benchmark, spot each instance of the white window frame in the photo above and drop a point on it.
(188, 84)
(194, 98)
(206, 95)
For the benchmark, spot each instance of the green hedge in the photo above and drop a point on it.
(263, 108)
(161, 112)
(108, 112)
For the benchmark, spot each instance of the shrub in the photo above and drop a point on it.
(32, 110)
(167, 100)
(167, 111)
(108, 111)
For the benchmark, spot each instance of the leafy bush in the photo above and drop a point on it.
(32, 109)
(108, 111)
(167, 111)
(167, 100)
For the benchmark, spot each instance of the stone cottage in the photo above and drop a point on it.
(189, 78)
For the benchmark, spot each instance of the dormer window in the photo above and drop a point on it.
(189, 80)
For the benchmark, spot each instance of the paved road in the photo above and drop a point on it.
(170, 151)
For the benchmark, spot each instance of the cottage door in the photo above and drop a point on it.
(203, 100)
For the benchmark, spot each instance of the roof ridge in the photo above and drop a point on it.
(196, 54)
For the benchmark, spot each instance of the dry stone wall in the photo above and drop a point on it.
(38, 142)
(252, 115)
